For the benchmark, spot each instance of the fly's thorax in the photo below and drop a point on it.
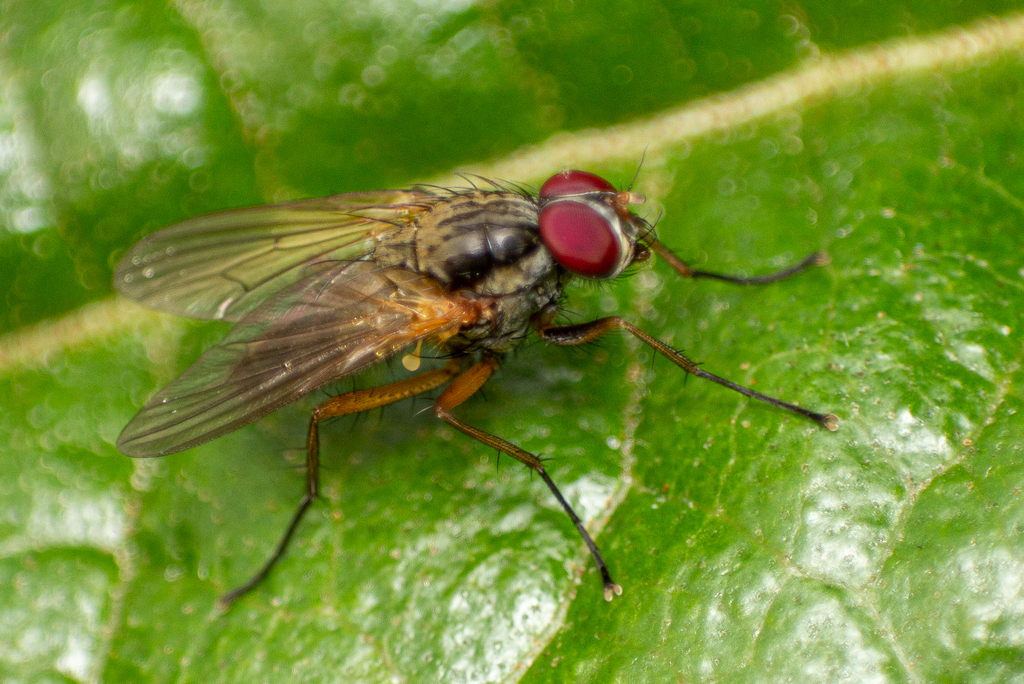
(486, 241)
(506, 320)
(482, 245)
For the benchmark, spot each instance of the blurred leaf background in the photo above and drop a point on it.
(751, 546)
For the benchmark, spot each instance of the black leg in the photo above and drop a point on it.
(353, 402)
(586, 332)
(465, 386)
(816, 259)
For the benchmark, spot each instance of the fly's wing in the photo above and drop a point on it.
(334, 323)
(223, 266)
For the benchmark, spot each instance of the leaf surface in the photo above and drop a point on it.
(752, 545)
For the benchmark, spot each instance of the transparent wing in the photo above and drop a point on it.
(334, 323)
(223, 266)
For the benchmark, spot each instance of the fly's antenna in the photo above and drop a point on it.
(637, 174)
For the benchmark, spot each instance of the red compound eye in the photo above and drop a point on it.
(574, 182)
(580, 238)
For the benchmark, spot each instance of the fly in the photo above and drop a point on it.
(322, 289)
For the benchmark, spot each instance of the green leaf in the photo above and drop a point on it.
(751, 544)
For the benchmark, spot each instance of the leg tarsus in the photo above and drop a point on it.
(227, 599)
(611, 589)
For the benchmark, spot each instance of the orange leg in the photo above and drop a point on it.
(342, 405)
(465, 386)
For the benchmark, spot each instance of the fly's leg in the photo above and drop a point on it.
(465, 386)
(816, 259)
(586, 332)
(342, 405)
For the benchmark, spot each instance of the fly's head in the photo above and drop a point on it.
(587, 226)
